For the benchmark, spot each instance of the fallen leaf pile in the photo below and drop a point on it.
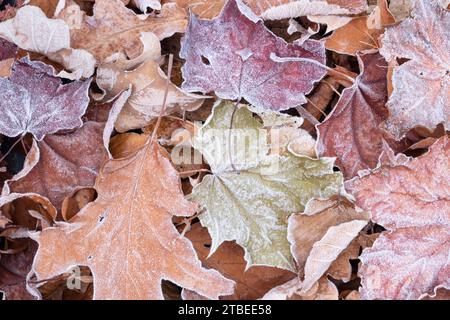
(224, 149)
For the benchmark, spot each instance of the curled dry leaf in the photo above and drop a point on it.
(65, 162)
(35, 101)
(361, 33)
(251, 283)
(233, 208)
(411, 199)
(144, 5)
(31, 30)
(320, 239)
(277, 9)
(352, 132)
(234, 65)
(421, 86)
(324, 289)
(114, 28)
(148, 86)
(126, 237)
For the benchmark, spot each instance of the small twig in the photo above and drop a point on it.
(11, 149)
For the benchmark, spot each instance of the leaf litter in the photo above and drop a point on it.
(224, 149)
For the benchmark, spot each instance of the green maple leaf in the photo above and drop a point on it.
(251, 194)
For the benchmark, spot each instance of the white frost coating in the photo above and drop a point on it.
(113, 114)
(245, 10)
(31, 30)
(303, 8)
(35, 101)
(421, 95)
(255, 217)
(143, 5)
(325, 251)
(245, 53)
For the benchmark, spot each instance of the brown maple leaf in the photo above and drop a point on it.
(252, 283)
(61, 164)
(127, 237)
(236, 56)
(421, 94)
(35, 101)
(411, 199)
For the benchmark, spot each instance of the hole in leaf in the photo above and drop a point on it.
(206, 61)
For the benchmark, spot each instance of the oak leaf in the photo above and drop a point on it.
(36, 101)
(127, 237)
(352, 132)
(65, 162)
(248, 61)
(411, 199)
(421, 94)
(251, 193)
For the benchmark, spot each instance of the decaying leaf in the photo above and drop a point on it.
(114, 28)
(411, 199)
(35, 101)
(234, 209)
(362, 33)
(421, 95)
(324, 289)
(352, 132)
(65, 162)
(235, 65)
(148, 85)
(126, 237)
(31, 30)
(8, 51)
(251, 283)
(278, 9)
(321, 237)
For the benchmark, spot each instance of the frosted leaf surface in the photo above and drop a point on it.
(251, 206)
(236, 56)
(352, 132)
(127, 238)
(421, 94)
(411, 199)
(35, 101)
(65, 163)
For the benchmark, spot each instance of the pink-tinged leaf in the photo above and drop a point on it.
(35, 101)
(421, 95)
(411, 199)
(236, 56)
(352, 132)
(7, 49)
(65, 162)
